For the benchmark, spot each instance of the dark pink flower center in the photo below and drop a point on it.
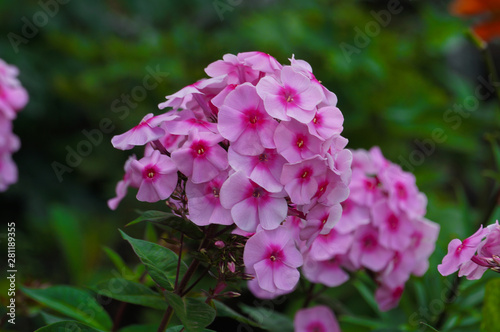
(401, 191)
(317, 120)
(199, 148)
(369, 242)
(305, 173)
(150, 172)
(301, 141)
(393, 222)
(370, 184)
(274, 253)
(316, 327)
(288, 94)
(263, 157)
(253, 117)
(396, 294)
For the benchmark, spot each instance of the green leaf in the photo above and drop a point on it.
(269, 319)
(51, 319)
(171, 220)
(68, 325)
(224, 311)
(160, 262)
(131, 292)
(68, 232)
(194, 314)
(365, 322)
(118, 262)
(491, 318)
(179, 328)
(140, 328)
(72, 302)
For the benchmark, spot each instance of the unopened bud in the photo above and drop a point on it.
(219, 244)
(231, 266)
(231, 294)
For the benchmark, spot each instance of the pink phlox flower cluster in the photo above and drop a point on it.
(316, 319)
(474, 255)
(382, 229)
(13, 97)
(258, 145)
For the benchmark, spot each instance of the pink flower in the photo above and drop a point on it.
(403, 192)
(292, 95)
(460, 252)
(320, 220)
(366, 250)
(316, 319)
(326, 123)
(365, 190)
(327, 272)
(388, 296)
(398, 271)
(187, 121)
(353, 216)
(204, 202)
(234, 68)
(159, 177)
(300, 179)
(8, 171)
(244, 122)
(201, 158)
(326, 246)
(274, 259)
(263, 169)
(394, 228)
(146, 131)
(251, 205)
(294, 142)
(131, 178)
(13, 97)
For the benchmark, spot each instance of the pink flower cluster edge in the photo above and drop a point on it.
(474, 255)
(13, 98)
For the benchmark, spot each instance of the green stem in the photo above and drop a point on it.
(166, 319)
(179, 262)
(309, 295)
(179, 289)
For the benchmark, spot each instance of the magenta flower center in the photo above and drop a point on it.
(253, 117)
(288, 94)
(316, 327)
(401, 191)
(301, 141)
(274, 254)
(199, 148)
(393, 222)
(306, 173)
(149, 173)
(369, 242)
(263, 157)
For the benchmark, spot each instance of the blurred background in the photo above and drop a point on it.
(406, 76)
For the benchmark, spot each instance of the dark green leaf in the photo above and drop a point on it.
(491, 318)
(140, 328)
(68, 325)
(194, 314)
(269, 319)
(160, 262)
(131, 292)
(68, 232)
(118, 262)
(179, 328)
(72, 302)
(224, 311)
(51, 319)
(171, 220)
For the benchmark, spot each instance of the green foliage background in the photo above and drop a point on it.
(393, 93)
